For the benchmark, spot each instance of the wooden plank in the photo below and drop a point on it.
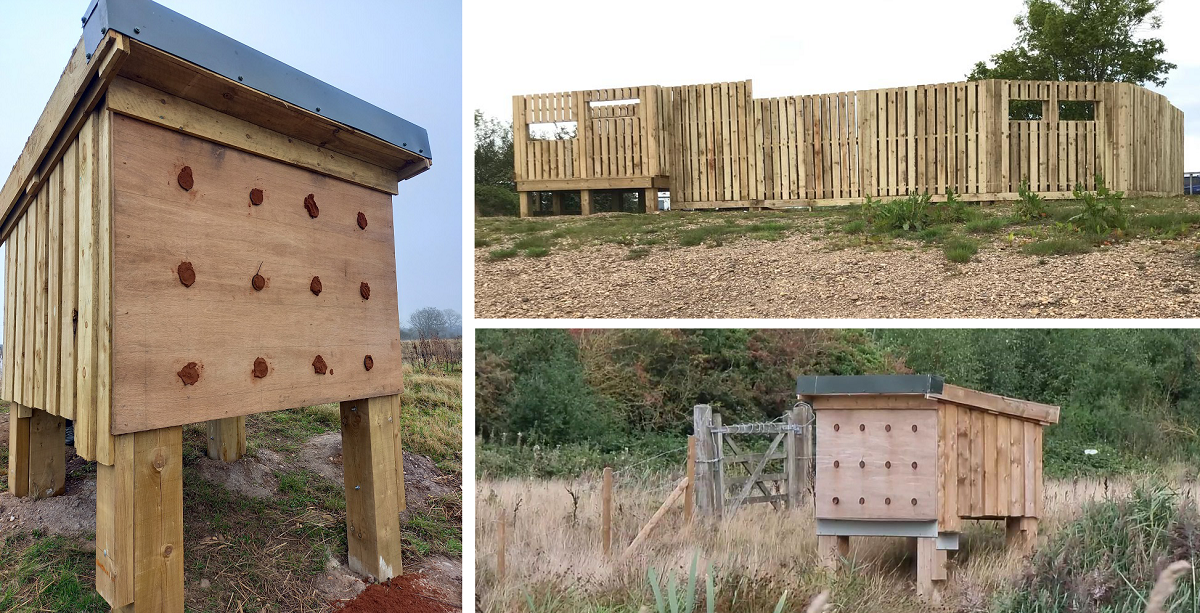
(18, 452)
(756, 475)
(1024, 409)
(221, 322)
(876, 463)
(18, 242)
(227, 438)
(47, 455)
(963, 473)
(115, 525)
(372, 516)
(872, 401)
(1003, 460)
(1016, 460)
(104, 282)
(978, 453)
(40, 297)
(70, 281)
(158, 520)
(86, 326)
(991, 478)
(29, 357)
(1031, 463)
(159, 108)
(948, 461)
(10, 292)
(54, 290)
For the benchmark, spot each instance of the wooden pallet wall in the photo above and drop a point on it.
(58, 272)
(720, 146)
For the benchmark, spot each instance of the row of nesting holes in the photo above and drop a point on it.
(863, 427)
(887, 501)
(187, 181)
(190, 373)
(863, 464)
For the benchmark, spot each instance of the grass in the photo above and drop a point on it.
(1094, 531)
(842, 227)
(1058, 246)
(258, 554)
(40, 572)
(960, 250)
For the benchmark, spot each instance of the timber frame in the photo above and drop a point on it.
(716, 146)
(93, 214)
(912, 456)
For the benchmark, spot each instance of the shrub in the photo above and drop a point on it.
(952, 210)
(501, 254)
(1030, 206)
(909, 214)
(1103, 211)
(854, 227)
(493, 201)
(537, 252)
(985, 225)
(960, 249)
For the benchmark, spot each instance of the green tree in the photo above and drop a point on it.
(495, 189)
(1083, 40)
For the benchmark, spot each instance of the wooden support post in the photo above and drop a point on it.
(18, 449)
(227, 438)
(500, 545)
(701, 418)
(47, 455)
(139, 523)
(795, 466)
(676, 494)
(931, 568)
(650, 199)
(524, 196)
(689, 496)
(556, 203)
(372, 477)
(606, 512)
(831, 550)
(1021, 533)
(718, 476)
(585, 202)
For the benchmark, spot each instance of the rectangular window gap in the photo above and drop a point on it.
(560, 130)
(1026, 110)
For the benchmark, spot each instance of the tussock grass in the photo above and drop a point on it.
(960, 249)
(1058, 246)
(553, 553)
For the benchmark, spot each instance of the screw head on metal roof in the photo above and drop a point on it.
(137, 30)
(318, 109)
(89, 56)
(239, 77)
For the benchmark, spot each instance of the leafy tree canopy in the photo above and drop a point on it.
(1083, 40)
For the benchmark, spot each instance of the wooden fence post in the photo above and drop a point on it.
(689, 495)
(808, 450)
(500, 536)
(606, 512)
(701, 418)
(718, 469)
(654, 519)
(795, 461)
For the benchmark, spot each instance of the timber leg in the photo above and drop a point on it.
(585, 202)
(650, 199)
(831, 550)
(524, 196)
(556, 203)
(227, 438)
(374, 477)
(18, 449)
(1021, 533)
(139, 523)
(931, 568)
(47, 454)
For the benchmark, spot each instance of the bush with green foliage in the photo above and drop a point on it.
(909, 214)
(1030, 206)
(1103, 211)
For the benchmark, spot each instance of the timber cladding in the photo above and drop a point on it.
(716, 145)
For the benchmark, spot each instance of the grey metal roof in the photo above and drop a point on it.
(817, 385)
(168, 31)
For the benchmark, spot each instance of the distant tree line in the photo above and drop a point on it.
(431, 323)
(495, 188)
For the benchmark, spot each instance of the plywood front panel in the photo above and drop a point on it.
(865, 459)
(221, 322)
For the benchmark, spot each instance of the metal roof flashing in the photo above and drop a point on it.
(159, 27)
(818, 385)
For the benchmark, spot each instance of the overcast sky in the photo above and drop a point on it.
(785, 47)
(404, 57)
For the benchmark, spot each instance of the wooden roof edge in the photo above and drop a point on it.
(78, 91)
(1024, 409)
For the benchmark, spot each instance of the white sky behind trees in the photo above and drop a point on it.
(786, 48)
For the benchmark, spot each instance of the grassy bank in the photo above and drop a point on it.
(258, 553)
(1103, 543)
(1056, 227)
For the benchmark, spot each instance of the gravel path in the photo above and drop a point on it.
(800, 278)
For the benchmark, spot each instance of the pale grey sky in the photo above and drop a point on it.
(785, 47)
(405, 57)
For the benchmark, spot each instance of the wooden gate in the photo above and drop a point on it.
(780, 475)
